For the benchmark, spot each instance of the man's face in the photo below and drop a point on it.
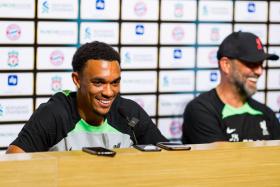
(99, 85)
(244, 76)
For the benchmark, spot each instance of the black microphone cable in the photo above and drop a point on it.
(130, 122)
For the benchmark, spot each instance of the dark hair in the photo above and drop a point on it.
(93, 50)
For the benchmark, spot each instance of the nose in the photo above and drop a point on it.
(107, 90)
(258, 70)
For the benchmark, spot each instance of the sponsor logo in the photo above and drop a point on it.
(178, 10)
(175, 128)
(100, 5)
(213, 76)
(140, 9)
(212, 57)
(13, 32)
(139, 30)
(264, 128)
(87, 33)
(177, 54)
(178, 33)
(166, 81)
(56, 84)
(1, 110)
(13, 59)
(16, 109)
(234, 138)
(12, 80)
(118, 145)
(229, 130)
(56, 58)
(45, 7)
(205, 10)
(259, 44)
(215, 34)
(127, 58)
(251, 7)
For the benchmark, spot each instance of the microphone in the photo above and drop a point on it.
(130, 122)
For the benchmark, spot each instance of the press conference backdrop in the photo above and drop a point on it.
(168, 51)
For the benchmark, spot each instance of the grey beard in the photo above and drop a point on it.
(243, 91)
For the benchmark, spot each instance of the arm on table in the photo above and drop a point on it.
(14, 149)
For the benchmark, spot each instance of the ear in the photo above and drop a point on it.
(225, 65)
(76, 80)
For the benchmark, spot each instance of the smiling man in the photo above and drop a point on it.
(95, 115)
(228, 112)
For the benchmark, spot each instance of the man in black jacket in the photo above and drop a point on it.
(228, 112)
(95, 115)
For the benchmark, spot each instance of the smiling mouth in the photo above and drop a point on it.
(104, 103)
(253, 79)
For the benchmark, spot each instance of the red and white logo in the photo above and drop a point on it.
(212, 57)
(175, 128)
(259, 44)
(215, 34)
(140, 8)
(13, 58)
(13, 32)
(56, 58)
(178, 33)
(56, 83)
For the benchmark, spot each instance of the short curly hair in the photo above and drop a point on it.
(93, 50)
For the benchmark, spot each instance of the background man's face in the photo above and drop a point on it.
(245, 76)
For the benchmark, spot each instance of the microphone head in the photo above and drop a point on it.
(133, 122)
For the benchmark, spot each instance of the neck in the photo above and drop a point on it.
(230, 95)
(88, 115)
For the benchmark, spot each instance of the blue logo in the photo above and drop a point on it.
(87, 33)
(177, 54)
(205, 10)
(139, 30)
(1, 110)
(45, 7)
(165, 81)
(127, 57)
(12, 80)
(100, 4)
(251, 7)
(213, 76)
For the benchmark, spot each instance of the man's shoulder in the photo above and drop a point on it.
(259, 106)
(204, 98)
(58, 102)
(206, 102)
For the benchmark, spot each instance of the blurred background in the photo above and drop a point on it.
(167, 47)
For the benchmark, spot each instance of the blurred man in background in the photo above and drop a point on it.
(95, 115)
(228, 112)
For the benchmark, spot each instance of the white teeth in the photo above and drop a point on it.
(253, 79)
(104, 101)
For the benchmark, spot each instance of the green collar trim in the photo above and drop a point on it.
(83, 126)
(246, 108)
(66, 92)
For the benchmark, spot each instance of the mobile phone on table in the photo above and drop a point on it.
(173, 146)
(149, 148)
(100, 151)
